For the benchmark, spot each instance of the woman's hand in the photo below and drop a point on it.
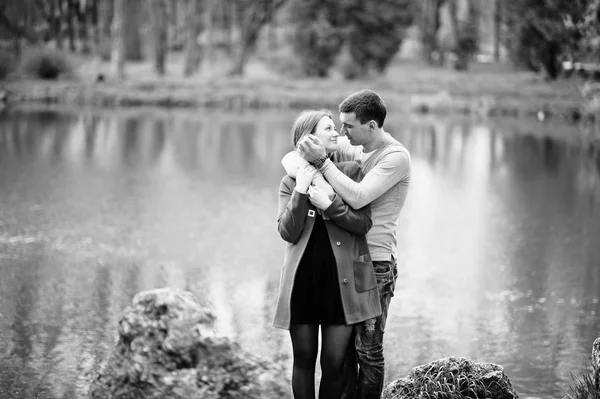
(318, 197)
(304, 178)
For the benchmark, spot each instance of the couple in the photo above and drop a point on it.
(338, 210)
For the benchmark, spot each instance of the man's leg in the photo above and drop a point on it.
(369, 336)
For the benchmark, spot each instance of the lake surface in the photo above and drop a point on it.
(499, 240)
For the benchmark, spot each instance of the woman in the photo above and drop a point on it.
(327, 279)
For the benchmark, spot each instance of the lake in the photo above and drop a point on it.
(499, 239)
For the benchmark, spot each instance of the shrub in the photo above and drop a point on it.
(47, 64)
(7, 64)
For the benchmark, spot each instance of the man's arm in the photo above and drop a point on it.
(294, 159)
(392, 168)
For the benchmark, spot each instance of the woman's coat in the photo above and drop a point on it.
(346, 228)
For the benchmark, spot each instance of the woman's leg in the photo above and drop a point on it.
(305, 344)
(335, 339)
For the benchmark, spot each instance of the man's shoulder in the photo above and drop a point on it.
(395, 147)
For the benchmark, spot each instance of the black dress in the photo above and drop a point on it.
(316, 295)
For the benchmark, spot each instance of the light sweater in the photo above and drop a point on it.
(384, 186)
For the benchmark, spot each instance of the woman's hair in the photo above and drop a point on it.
(306, 123)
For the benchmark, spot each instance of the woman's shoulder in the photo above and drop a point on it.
(286, 180)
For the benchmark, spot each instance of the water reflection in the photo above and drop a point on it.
(498, 241)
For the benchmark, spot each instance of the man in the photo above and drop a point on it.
(386, 166)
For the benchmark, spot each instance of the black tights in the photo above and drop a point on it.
(305, 344)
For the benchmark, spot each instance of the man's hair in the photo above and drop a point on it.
(366, 105)
(306, 123)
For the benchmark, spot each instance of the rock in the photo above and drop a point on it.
(168, 348)
(596, 363)
(451, 378)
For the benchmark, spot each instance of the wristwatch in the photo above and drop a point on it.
(319, 162)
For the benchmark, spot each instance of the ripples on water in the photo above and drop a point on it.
(499, 241)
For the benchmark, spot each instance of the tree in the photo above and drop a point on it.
(14, 16)
(376, 31)
(118, 44)
(465, 32)
(430, 23)
(134, 15)
(540, 32)
(159, 17)
(315, 37)
(251, 16)
(193, 27)
(497, 28)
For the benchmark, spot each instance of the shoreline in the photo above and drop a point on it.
(259, 94)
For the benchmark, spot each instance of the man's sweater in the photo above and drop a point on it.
(385, 186)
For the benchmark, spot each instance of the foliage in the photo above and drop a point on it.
(376, 31)
(588, 48)
(7, 64)
(316, 39)
(47, 64)
(584, 388)
(540, 32)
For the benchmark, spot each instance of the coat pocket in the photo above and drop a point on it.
(364, 276)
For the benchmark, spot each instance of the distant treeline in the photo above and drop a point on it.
(310, 36)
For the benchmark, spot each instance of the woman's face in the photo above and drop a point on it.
(326, 133)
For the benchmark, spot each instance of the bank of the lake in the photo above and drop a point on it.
(488, 90)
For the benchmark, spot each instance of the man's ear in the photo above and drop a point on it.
(372, 125)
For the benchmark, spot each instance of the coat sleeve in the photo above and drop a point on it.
(354, 221)
(292, 210)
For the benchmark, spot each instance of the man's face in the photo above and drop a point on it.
(357, 133)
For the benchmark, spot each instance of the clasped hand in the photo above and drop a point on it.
(317, 196)
(311, 148)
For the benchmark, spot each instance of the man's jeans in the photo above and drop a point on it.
(366, 380)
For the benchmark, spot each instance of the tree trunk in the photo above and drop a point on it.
(497, 28)
(94, 24)
(83, 20)
(132, 26)
(60, 17)
(105, 13)
(118, 44)
(229, 16)
(70, 25)
(159, 27)
(193, 27)
(461, 62)
(241, 59)
(251, 17)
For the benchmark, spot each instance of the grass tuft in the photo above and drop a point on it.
(583, 388)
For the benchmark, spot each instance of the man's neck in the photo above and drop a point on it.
(378, 140)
